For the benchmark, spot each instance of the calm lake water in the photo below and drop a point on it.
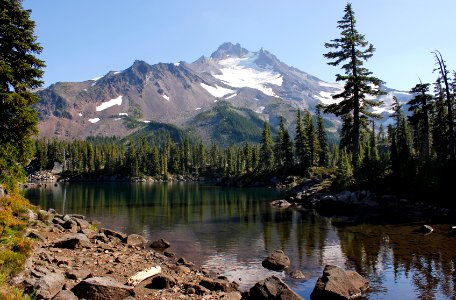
(231, 230)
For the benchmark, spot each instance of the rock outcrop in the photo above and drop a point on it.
(337, 284)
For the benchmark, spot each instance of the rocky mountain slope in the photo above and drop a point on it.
(256, 85)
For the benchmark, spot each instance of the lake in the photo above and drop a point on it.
(231, 230)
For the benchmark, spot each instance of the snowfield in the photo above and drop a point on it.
(243, 72)
(107, 104)
(216, 91)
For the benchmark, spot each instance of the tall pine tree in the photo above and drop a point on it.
(20, 72)
(352, 50)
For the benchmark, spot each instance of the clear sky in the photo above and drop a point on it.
(83, 39)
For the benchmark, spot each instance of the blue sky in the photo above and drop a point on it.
(83, 39)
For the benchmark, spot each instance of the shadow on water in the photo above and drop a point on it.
(230, 231)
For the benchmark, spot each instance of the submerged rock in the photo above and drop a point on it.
(337, 283)
(426, 229)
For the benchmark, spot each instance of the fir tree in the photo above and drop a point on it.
(267, 149)
(323, 148)
(310, 141)
(420, 106)
(449, 97)
(20, 72)
(300, 149)
(352, 50)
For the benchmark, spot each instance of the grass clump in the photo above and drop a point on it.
(14, 248)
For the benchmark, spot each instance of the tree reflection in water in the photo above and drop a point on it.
(236, 228)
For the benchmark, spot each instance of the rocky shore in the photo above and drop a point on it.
(74, 259)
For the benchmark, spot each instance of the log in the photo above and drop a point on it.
(142, 275)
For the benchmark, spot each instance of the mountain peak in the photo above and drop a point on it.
(229, 49)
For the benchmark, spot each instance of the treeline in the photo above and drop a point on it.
(145, 157)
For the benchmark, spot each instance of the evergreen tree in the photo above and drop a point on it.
(20, 72)
(440, 141)
(283, 147)
(449, 97)
(420, 106)
(267, 149)
(310, 141)
(323, 148)
(300, 149)
(352, 50)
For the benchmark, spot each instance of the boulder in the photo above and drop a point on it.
(337, 283)
(136, 240)
(73, 241)
(83, 224)
(277, 261)
(101, 288)
(280, 203)
(48, 286)
(108, 232)
(161, 281)
(219, 285)
(65, 295)
(160, 244)
(78, 274)
(297, 274)
(272, 288)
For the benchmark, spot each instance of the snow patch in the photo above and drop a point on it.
(146, 121)
(166, 97)
(94, 120)
(85, 90)
(260, 109)
(116, 72)
(216, 91)
(231, 96)
(198, 108)
(109, 103)
(177, 64)
(243, 72)
(96, 78)
(123, 114)
(80, 114)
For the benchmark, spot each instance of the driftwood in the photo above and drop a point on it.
(142, 275)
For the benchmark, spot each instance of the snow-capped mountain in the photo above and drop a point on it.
(177, 93)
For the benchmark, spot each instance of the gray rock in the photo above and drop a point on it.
(183, 261)
(160, 244)
(73, 241)
(65, 295)
(108, 232)
(78, 274)
(102, 288)
(280, 203)
(161, 281)
(219, 285)
(297, 274)
(337, 283)
(272, 288)
(83, 224)
(48, 286)
(136, 240)
(277, 261)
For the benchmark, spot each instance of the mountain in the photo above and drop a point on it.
(233, 89)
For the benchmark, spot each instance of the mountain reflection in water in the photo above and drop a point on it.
(230, 230)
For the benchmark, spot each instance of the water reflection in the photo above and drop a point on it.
(231, 230)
